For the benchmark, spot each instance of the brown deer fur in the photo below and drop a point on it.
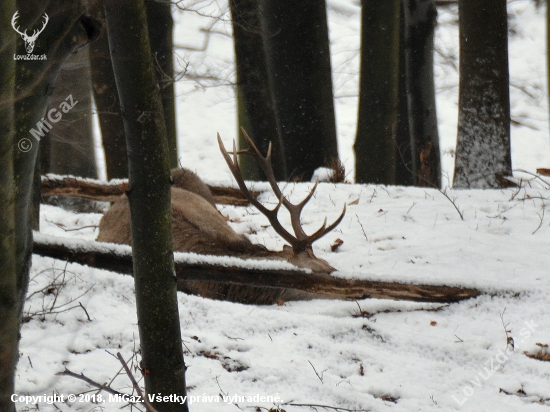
(198, 227)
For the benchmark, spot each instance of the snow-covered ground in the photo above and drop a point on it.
(371, 355)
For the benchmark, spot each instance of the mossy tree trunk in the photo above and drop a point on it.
(483, 143)
(70, 142)
(66, 32)
(255, 108)
(296, 43)
(375, 144)
(149, 197)
(9, 315)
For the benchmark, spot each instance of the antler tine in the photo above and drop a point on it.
(46, 20)
(265, 165)
(302, 240)
(270, 214)
(294, 210)
(309, 196)
(235, 160)
(322, 231)
(14, 22)
(255, 149)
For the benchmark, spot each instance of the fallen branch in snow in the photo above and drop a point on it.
(118, 258)
(55, 185)
(85, 188)
(148, 406)
(100, 386)
(50, 293)
(522, 394)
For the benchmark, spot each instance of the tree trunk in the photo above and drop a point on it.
(255, 108)
(483, 143)
(71, 143)
(425, 146)
(149, 196)
(375, 145)
(548, 52)
(296, 43)
(67, 31)
(106, 101)
(160, 25)
(9, 315)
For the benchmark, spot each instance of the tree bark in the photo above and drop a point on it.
(375, 144)
(403, 136)
(160, 25)
(548, 52)
(71, 143)
(483, 143)
(68, 30)
(149, 197)
(295, 36)
(425, 144)
(106, 101)
(98, 255)
(255, 108)
(9, 315)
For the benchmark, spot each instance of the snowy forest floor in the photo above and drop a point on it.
(371, 355)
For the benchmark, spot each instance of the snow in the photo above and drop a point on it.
(375, 355)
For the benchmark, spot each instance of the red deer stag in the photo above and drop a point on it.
(198, 227)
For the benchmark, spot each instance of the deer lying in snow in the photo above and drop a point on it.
(198, 227)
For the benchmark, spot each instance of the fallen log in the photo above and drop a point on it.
(56, 185)
(118, 258)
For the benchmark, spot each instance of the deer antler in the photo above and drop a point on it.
(13, 22)
(300, 241)
(37, 32)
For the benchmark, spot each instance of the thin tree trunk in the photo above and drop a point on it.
(548, 51)
(160, 25)
(9, 315)
(425, 145)
(403, 136)
(106, 101)
(295, 36)
(255, 108)
(483, 143)
(375, 145)
(149, 196)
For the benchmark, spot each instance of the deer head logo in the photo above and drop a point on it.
(29, 40)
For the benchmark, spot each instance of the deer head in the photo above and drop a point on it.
(301, 252)
(29, 40)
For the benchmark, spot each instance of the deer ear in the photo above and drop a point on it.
(287, 248)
